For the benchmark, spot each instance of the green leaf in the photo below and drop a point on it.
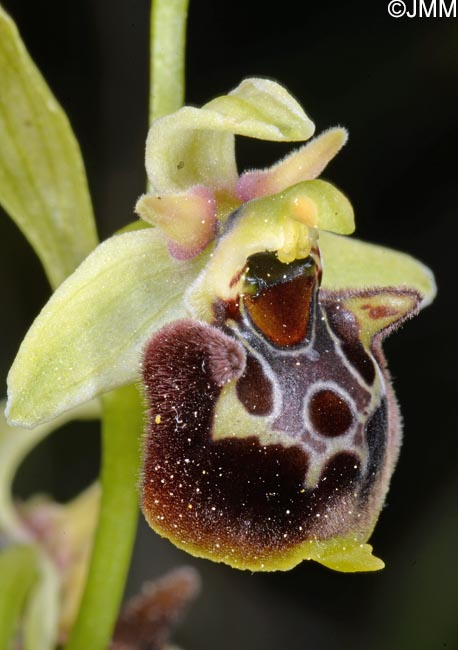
(352, 264)
(42, 179)
(196, 146)
(89, 338)
(18, 573)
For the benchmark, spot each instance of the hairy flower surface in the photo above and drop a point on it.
(272, 427)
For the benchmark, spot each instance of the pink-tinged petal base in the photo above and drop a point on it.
(188, 219)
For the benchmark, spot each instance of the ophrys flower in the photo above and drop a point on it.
(273, 431)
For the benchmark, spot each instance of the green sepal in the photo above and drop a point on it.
(196, 146)
(89, 337)
(351, 264)
(43, 184)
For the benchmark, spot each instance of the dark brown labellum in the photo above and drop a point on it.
(275, 426)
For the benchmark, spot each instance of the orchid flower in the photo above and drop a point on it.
(244, 314)
(273, 430)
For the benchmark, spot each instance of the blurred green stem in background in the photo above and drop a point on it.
(122, 425)
(167, 63)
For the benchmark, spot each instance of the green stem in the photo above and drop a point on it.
(167, 65)
(122, 426)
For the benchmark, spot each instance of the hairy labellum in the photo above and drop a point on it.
(273, 432)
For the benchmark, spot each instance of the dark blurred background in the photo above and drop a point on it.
(393, 83)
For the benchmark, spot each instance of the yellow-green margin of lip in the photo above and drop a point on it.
(286, 223)
(347, 554)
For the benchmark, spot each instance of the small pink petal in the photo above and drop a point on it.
(304, 164)
(188, 219)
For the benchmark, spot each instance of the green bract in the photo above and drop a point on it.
(45, 596)
(42, 180)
